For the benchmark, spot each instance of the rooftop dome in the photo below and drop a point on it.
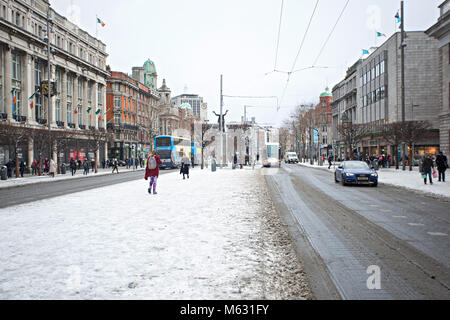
(185, 106)
(149, 66)
(326, 93)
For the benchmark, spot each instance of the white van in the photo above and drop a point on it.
(291, 157)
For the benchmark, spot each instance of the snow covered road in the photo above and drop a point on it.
(214, 236)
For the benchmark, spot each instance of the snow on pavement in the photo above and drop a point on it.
(214, 236)
(407, 179)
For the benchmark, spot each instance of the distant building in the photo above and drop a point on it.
(194, 102)
(323, 123)
(441, 31)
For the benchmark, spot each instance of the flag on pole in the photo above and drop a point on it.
(31, 100)
(101, 22)
(88, 110)
(364, 51)
(98, 111)
(398, 17)
(379, 34)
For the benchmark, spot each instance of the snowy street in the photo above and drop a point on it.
(213, 236)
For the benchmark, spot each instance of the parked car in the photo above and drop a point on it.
(355, 172)
(291, 157)
(122, 163)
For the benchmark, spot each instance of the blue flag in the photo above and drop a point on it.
(365, 51)
(398, 17)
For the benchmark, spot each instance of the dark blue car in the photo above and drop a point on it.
(355, 172)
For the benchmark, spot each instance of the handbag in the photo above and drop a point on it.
(435, 174)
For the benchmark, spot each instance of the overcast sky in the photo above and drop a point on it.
(193, 42)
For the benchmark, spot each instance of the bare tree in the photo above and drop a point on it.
(412, 131)
(94, 138)
(41, 139)
(13, 136)
(394, 133)
(352, 133)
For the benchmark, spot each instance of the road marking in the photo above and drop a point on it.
(385, 210)
(402, 217)
(415, 224)
(437, 234)
(373, 205)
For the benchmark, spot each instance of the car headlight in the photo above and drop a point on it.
(374, 174)
(350, 174)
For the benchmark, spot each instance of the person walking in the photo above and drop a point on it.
(22, 168)
(52, 168)
(93, 165)
(184, 166)
(73, 166)
(427, 165)
(330, 161)
(152, 170)
(86, 167)
(115, 165)
(234, 161)
(442, 165)
(34, 169)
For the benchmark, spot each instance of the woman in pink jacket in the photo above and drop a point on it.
(152, 170)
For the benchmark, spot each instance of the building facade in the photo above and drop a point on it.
(78, 66)
(377, 80)
(323, 123)
(131, 109)
(199, 108)
(441, 31)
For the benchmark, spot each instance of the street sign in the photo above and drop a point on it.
(44, 88)
(316, 135)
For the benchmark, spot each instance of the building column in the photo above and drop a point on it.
(75, 100)
(103, 123)
(28, 89)
(30, 152)
(63, 100)
(94, 104)
(8, 75)
(53, 104)
(85, 115)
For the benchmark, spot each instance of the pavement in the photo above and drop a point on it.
(45, 178)
(411, 180)
(214, 236)
(343, 233)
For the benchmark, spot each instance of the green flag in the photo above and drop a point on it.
(88, 109)
(98, 111)
(379, 34)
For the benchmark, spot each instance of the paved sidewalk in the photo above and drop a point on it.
(30, 179)
(407, 179)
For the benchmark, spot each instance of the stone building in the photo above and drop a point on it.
(78, 63)
(323, 123)
(441, 31)
(132, 108)
(377, 80)
(199, 108)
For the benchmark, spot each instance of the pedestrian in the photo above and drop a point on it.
(73, 166)
(9, 166)
(92, 165)
(389, 161)
(234, 161)
(152, 170)
(330, 161)
(86, 167)
(442, 165)
(34, 168)
(184, 166)
(115, 165)
(427, 165)
(22, 168)
(52, 168)
(103, 163)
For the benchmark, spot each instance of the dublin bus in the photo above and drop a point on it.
(171, 150)
(271, 156)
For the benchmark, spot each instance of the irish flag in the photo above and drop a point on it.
(379, 34)
(100, 21)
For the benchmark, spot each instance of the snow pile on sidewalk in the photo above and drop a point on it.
(14, 182)
(406, 179)
(213, 236)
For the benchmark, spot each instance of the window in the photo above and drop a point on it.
(70, 47)
(58, 110)
(58, 41)
(69, 87)
(80, 53)
(382, 67)
(16, 67)
(116, 118)
(69, 112)
(117, 102)
(377, 70)
(4, 12)
(99, 94)
(39, 32)
(117, 86)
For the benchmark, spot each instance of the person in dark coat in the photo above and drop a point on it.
(115, 165)
(442, 165)
(427, 165)
(184, 166)
(234, 161)
(9, 166)
(152, 172)
(330, 161)
(73, 166)
(86, 167)
(22, 168)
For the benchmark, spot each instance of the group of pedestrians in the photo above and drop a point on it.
(427, 168)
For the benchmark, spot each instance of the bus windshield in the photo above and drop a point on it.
(163, 142)
(272, 151)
